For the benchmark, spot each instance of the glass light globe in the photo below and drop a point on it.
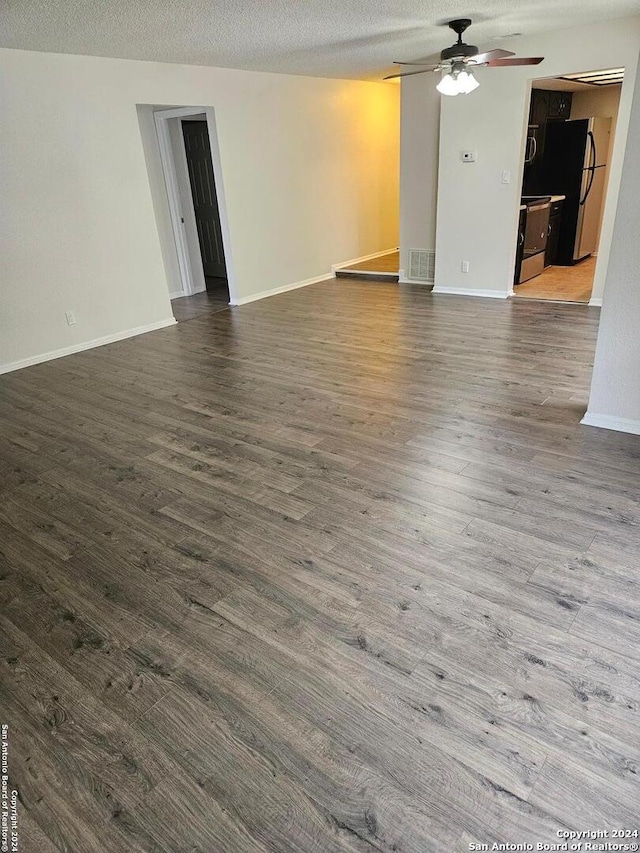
(448, 85)
(466, 82)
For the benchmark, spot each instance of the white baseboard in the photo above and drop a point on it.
(611, 422)
(404, 279)
(595, 302)
(244, 300)
(350, 263)
(84, 345)
(461, 291)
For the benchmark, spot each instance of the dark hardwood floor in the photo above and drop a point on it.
(215, 298)
(334, 571)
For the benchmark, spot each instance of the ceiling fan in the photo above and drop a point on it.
(458, 61)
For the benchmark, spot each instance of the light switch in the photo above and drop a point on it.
(506, 177)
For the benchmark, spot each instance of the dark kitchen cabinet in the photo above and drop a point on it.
(539, 108)
(546, 105)
(559, 105)
(551, 254)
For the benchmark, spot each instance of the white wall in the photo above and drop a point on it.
(310, 169)
(615, 387)
(476, 213)
(419, 141)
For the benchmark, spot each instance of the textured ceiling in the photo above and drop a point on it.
(327, 38)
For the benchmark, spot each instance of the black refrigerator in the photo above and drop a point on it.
(574, 164)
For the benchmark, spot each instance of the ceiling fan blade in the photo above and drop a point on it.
(431, 60)
(410, 73)
(498, 53)
(519, 60)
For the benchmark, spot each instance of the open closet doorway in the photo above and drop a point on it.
(205, 204)
(572, 122)
(196, 202)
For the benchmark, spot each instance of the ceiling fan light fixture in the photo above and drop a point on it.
(457, 81)
(466, 82)
(448, 84)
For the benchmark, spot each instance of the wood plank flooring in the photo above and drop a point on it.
(207, 302)
(339, 570)
(564, 284)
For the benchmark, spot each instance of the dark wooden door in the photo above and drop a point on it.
(205, 202)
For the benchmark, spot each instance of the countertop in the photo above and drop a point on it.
(554, 198)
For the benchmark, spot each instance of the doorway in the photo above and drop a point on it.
(193, 180)
(572, 122)
(204, 198)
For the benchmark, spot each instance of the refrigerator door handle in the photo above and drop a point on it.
(532, 148)
(592, 173)
(592, 150)
(591, 168)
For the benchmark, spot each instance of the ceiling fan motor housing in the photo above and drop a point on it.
(460, 49)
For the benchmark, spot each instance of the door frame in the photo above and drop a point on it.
(611, 191)
(185, 262)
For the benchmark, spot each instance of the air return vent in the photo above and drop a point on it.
(422, 265)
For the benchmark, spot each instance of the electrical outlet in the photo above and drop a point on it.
(468, 156)
(465, 266)
(506, 177)
(71, 318)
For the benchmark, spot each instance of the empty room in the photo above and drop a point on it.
(319, 426)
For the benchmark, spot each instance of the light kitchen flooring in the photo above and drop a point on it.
(564, 284)
(339, 570)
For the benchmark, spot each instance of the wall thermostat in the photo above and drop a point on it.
(468, 156)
